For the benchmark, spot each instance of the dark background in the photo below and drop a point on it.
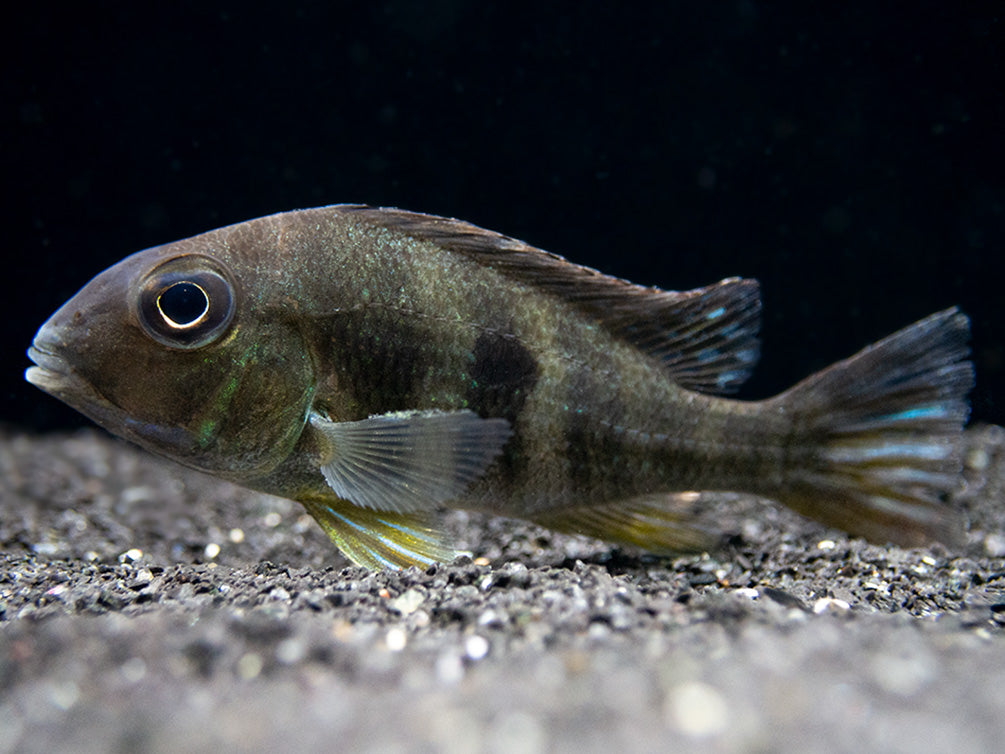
(848, 155)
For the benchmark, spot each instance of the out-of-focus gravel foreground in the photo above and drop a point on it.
(144, 607)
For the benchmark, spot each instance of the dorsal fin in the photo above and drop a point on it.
(706, 337)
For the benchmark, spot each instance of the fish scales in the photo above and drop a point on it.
(379, 366)
(416, 341)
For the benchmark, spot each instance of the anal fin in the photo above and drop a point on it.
(663, 524)
(381, 539)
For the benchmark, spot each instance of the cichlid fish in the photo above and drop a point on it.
(378, 366)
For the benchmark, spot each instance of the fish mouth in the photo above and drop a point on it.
(53, 374)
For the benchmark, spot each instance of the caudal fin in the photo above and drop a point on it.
(879, 435)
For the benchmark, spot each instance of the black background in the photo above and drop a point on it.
(848, 155)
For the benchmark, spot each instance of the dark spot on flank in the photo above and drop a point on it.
(382, 364)
(503, 375)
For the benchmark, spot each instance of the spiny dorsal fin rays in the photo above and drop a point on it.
(409, 460)
(706, 337)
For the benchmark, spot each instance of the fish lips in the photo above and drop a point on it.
(52, 373)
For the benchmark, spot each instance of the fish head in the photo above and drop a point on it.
(176, 350)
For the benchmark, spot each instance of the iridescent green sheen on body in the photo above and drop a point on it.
(379, 365)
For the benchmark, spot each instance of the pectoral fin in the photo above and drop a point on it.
(376, 540)
(663, 524)
(411, 460)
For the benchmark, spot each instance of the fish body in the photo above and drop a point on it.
(380, 365)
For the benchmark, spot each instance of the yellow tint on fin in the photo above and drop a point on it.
(381, 539)
(662, 524)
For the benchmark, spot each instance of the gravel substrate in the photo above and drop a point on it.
(144, 607)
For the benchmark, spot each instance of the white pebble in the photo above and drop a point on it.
(978, 459)
(696, 709)
(249, 666)
(64, 695)
(133, 495)
(994, 545)
(476, 647)
(491, 619)
(408, 602)
(830, 605)
(449, 668)
(395, 639)
(290, 651)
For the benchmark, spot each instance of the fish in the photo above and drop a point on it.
(381, 366)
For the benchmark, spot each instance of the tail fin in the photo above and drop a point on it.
(878, 439)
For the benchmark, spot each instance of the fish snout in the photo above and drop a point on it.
(56, 356)
(51, 371)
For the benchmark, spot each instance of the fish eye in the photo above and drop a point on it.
(186, 302)
(183, 304)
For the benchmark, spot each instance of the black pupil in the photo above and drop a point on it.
(183, 303)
